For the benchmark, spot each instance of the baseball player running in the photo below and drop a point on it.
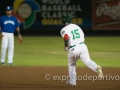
(8, 25)
(74, 42)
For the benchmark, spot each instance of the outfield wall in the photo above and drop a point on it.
(43, 16)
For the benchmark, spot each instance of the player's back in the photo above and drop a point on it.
(75, 34)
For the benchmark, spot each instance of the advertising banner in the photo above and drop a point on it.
(106, 15)
(46, 14)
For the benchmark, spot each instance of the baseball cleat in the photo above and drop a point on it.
(99, 71)
(68, 82)
(3, 63)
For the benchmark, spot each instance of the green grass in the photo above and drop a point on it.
(48, 51)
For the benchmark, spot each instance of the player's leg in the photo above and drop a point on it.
(4, 44)
(10, 48)
(84, 56)
(72, 67)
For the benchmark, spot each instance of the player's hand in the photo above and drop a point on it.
(1, 35)
(19, 40)
(65, 48)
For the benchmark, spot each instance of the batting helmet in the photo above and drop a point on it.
(66, 18)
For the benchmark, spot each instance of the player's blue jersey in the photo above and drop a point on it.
(8, 24)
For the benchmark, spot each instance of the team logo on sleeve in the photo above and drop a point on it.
(25, 11)
(63, 32)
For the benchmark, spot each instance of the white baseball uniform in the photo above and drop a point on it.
(77, 49)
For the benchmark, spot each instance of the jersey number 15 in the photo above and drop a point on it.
(75, 34)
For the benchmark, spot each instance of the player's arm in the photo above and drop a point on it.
(17, 27)
(18, 31)
(19, 41)
(1, 35)
(66, 40)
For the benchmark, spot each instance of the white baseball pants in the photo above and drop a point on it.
(79, 51)
(7, 43)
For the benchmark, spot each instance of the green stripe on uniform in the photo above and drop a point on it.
(75, 45)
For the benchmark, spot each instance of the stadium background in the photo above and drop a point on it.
(41, 52)
(42, 17)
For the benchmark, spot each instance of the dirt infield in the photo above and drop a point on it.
(36, 78)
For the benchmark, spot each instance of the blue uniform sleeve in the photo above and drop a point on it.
(17, 24)
(0, 24)
(0, 21)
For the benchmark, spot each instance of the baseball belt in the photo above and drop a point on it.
(75, 45)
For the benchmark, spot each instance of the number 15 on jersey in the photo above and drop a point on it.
(75, 34)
